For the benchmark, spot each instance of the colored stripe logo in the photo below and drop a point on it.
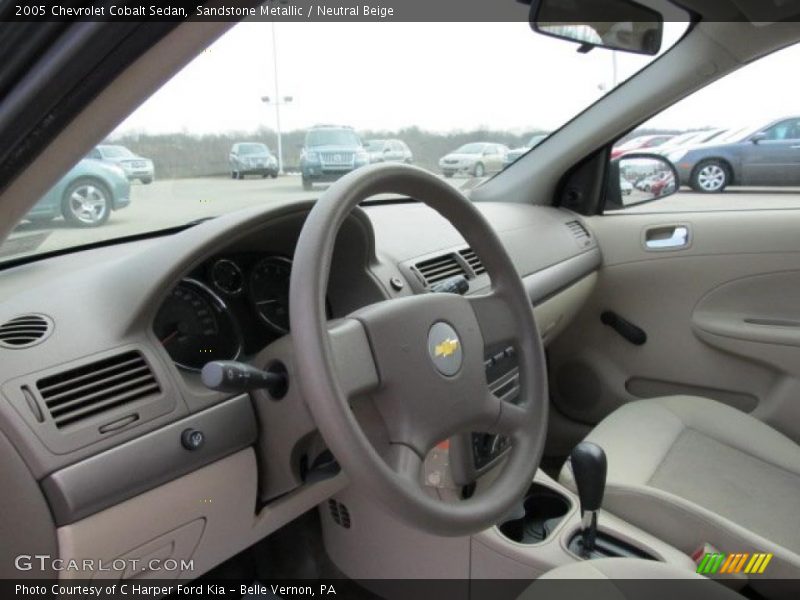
(714, 563)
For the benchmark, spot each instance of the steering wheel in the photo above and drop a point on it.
(421, 359)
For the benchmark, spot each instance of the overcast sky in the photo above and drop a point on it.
(437, 76)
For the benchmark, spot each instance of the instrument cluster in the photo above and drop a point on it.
(228, 307)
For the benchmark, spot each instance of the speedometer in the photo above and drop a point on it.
(269, 291)
(195, 327)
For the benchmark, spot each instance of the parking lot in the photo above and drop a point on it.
(169, 203)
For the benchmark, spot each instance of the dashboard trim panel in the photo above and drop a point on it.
(146, 462)
(546, 283)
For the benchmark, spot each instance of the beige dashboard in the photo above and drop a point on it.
(97, 425)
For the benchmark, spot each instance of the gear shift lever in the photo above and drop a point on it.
(589, 468)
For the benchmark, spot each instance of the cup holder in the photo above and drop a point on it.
(544, 510)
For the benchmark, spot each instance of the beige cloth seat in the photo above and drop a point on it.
(624, 579)
(691, 470)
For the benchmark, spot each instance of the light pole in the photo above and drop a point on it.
(614, 69)
(278, 103)
(278, 99)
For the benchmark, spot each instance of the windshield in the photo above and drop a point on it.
(415, 92)
(115, 152)
(253, 149)
(332, 137)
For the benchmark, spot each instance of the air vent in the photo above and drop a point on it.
(579, 232)
(98, 387)
(469, 255)
(25, 331)
(339, 513)
(439, 268)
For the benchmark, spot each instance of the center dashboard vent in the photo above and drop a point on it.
(439, 268)
(474, 262)
(25, 331)
(97, 387)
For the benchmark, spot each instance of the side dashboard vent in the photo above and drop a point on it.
(469, 255)
(25, 331)
(439, 268)
(579, 232)
(339, 513)
(97, 387)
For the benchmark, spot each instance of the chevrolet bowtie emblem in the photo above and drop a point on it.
(446, 348)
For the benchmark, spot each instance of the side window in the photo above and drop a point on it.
(785, 130)
(745, 154)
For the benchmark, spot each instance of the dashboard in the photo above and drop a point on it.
(97, 426)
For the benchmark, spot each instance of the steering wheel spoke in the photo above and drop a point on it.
(502, 416)
(511, 418)
(352, 357)
(405, 462)
(495, 318)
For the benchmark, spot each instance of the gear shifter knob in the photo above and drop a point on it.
(589, 468)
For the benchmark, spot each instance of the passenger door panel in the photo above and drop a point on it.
(721, 315)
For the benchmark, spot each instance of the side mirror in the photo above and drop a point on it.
(387, 150)
(759, 137)
(639, 177)
(622, 25)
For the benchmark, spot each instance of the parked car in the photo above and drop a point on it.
(514, 154)
(767, 155)
(625, 187)
(329, 152)
(388, 151)
(640, 143)
(85, 196)
(476, 159)
(135, 166)
(694, 138)
(252, 158)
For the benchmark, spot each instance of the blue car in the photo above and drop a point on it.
(85, 196)
(767, 155)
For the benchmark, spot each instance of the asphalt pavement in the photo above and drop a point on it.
(168, 203)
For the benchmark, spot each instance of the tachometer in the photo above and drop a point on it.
(195, 327)
(269, 291)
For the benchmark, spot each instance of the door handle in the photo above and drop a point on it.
(670, 237)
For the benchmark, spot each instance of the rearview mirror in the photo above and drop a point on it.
(615, 24)
(639, 177)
